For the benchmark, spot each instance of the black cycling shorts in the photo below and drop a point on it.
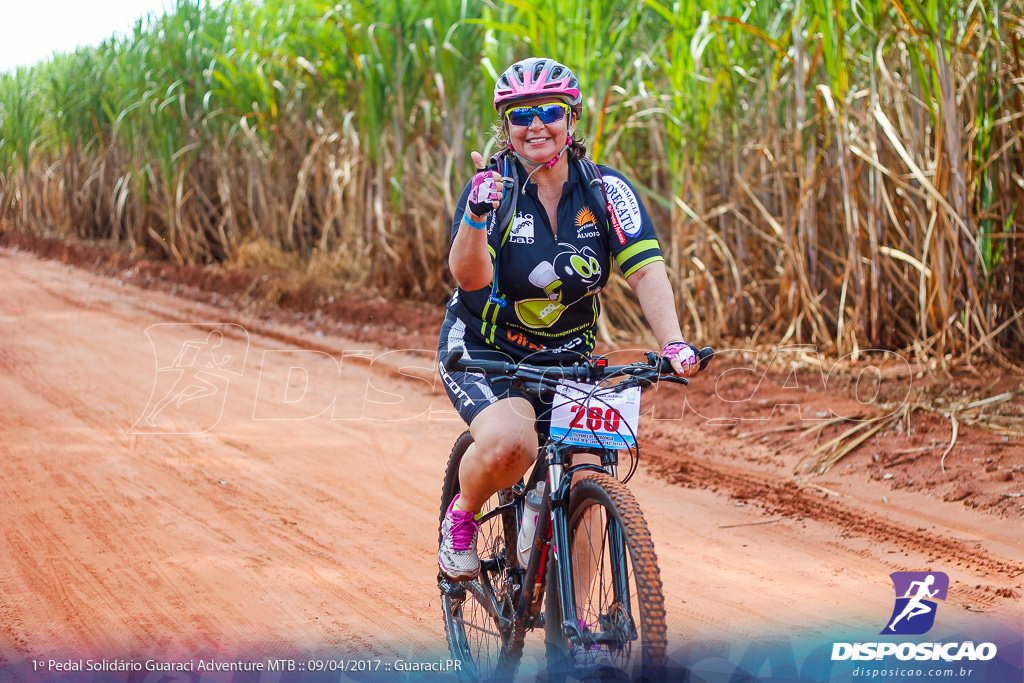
(471, 392)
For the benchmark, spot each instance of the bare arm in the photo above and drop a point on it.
(654, 291)
(469, 260)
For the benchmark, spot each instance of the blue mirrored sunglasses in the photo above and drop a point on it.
(548, 113)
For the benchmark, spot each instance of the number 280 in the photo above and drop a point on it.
(595, 417)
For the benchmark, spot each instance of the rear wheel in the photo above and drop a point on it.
(479, 615)
(617, 589)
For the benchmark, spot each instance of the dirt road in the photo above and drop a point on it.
(181, 483)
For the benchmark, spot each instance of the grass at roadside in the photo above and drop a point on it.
(841, 174)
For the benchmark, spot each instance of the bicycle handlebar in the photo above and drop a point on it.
(593, 370)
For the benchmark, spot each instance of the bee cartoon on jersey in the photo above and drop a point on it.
(572, 275)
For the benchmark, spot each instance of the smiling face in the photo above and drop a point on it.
(539, 142)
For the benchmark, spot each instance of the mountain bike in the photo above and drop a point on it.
(588, 574)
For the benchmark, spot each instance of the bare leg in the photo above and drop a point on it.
(504, 447)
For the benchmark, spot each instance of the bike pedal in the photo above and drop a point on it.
(453, 589)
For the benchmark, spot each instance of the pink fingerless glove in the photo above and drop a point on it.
(483, 191)
(686, 353)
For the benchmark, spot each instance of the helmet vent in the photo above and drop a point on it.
(536, 76)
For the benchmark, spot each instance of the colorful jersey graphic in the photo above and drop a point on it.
(548, 284)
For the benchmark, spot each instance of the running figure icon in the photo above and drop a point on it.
(193, 373)
(192, 376)
(917, 592)
(916, 607)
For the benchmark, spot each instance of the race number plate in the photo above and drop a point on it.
(602, 418)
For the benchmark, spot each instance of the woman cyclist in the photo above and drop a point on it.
(528, 290)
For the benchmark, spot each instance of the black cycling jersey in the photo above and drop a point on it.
(549, 285)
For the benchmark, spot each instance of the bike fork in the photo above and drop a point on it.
(619, 568)
(562, 553)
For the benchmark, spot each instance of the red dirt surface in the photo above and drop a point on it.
(287, 506)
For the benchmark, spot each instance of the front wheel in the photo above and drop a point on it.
(617, 588)
(479, 615)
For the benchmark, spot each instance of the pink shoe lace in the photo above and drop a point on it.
(464, 527)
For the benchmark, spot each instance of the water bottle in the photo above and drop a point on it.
(531, 511)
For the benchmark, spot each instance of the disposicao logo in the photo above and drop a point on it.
(914, 614)
(916, 593)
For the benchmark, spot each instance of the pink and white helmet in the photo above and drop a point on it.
(536, 76)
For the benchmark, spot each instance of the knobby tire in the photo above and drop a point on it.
(598, 496)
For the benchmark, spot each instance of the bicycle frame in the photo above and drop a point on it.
(555, 466)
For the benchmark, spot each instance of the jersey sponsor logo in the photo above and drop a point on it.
(522, 340)
(522, 229)
(570, 345)
(585, 217)
(586, 224)
(616, 228)
(625, 206)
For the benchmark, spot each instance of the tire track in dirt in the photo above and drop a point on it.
(787, 498)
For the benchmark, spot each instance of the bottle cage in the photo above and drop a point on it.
(504, 215)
